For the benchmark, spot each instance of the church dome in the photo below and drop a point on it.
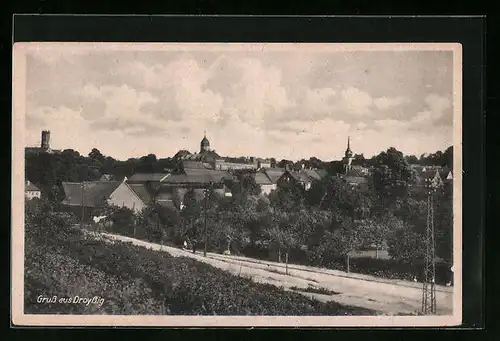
(205, 142)
(204, 145)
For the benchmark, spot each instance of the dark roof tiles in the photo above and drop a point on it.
(262, 179)
(142, 192)
(147, 177)
(95, 193)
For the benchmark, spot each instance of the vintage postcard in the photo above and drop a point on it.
(237, 184)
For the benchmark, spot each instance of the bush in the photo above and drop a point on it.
(122, 221)
(51, 274)
(42, 224)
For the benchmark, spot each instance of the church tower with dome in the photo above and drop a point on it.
(204, 144)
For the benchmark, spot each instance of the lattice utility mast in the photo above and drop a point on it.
(429, 288)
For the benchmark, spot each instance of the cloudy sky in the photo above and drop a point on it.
(293, 102)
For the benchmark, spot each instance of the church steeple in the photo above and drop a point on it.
(348, 151)
(348, 155)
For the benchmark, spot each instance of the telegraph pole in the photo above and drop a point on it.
(205, 220)
(429, 288)
(82, 205)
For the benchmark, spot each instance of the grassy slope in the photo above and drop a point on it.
(134, 280)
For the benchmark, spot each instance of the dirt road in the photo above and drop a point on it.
(385, 296)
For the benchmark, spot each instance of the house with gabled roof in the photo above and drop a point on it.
(301, 178)
(273, 173)
(446, 174)
(172, 188)
(355, 177)
(264, 182)
(90, 198)
(31, 191)
(315, 174)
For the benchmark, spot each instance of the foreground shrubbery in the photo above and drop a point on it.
(326, 252)
(134, 280)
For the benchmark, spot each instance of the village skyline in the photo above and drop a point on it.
(195, 150)
(291, 103)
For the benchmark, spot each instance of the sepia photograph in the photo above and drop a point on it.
(236, 184)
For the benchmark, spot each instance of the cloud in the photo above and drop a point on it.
(260, 102)
(320, 100)
(361, 125)
(437, 104)
(384, 103)
(436, 114)
(123, 104)
(355, 101)
(258, 96)
(390, 124)
(68, 128)
(52, 55)
(181, 86)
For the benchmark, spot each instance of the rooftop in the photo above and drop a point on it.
(95, 193)
(200, 176)
(147, 177)
(262, 179)
(30, 187)
(142, 192)
(273, 173)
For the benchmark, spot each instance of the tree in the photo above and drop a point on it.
(406, 245)
(123, 220)
(247, 184)
(359, 159)
(281, 233)
(347, 239)
(411, 159)
(443, 220)
(222, 234)
(315, 195)
(191, 219)
(447, 158)
(96, 155)
(148, 164)
(158, 222)
(392, 177)
(285, 163)
(314, 162)
(373, 233)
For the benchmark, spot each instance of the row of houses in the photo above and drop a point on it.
(169, 189)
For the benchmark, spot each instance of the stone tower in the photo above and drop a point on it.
(45, 145)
